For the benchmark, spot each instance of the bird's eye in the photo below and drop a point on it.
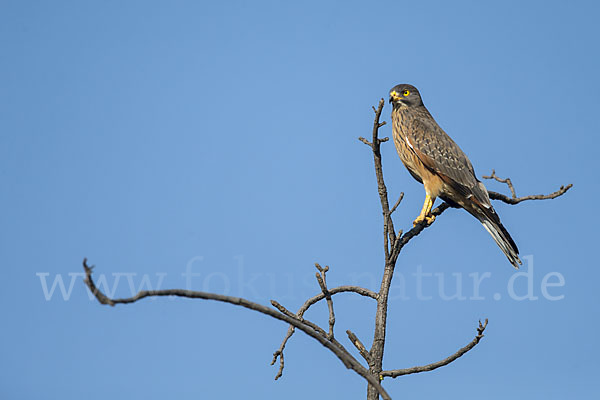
(406, 93)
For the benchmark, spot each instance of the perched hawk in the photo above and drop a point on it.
(440, 165)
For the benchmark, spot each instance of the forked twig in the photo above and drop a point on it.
(516, 200)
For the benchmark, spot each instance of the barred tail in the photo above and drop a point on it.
(491, 222)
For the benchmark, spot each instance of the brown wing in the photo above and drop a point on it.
(438, 152)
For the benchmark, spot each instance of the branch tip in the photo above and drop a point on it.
(430, 367)
(516, 200)
(365, 141)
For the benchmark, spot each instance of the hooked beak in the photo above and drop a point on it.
(394, 96)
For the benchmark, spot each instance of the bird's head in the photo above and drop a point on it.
(405, 95)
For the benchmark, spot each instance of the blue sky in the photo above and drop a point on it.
(219, 138)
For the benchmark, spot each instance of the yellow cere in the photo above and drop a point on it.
(406, 93)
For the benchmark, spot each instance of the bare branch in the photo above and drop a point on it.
(313, 300)
(507, 181)
(499, 196)
(389, 239)
(340, 289)
(278, 353)
(365, 141)
(402, 240)
(516, 200)
(359, 346)
(388, 228)
(430, 367)
(322, 280)
(397, 203)
(346, 358)
(290, 314)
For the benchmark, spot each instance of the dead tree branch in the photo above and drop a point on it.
(389, 237)
(404, 239)
(516, 200)
(375, 145)
(397, 203)
(313, 300)
(322, 280)
(310, 329)
(507, 181)
(359, 346)
(430, 367)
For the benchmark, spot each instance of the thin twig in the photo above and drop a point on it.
(281, 363)
(509, 200)
(516, 200)
(397, 203)
(359, 346)
(388, 228)
(290, 314)
(430, 367)
(287, 312)
(307, 304)
(403, 239)
(322, 280)
(365, 141)
(507, 181)
(343, 355)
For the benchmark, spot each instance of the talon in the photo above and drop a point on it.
(426, 215)
(427, 219)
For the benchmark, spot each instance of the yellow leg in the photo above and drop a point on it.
(426, 212)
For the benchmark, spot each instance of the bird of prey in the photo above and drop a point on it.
(436, 161)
